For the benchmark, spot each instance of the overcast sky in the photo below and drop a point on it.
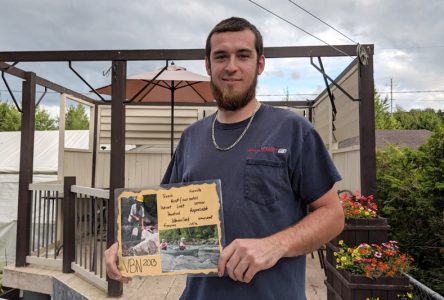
(408, 36)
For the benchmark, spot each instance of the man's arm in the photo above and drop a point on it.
(243, 258)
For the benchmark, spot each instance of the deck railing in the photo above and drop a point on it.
(45, 238)
(91, 206)
(423, 292)
(68, 229)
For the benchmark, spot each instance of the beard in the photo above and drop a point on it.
(230, 100)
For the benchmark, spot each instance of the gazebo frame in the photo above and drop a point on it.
(119, 59)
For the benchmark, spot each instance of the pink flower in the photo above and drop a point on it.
(378, 254)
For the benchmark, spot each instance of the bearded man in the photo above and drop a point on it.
(272, 165)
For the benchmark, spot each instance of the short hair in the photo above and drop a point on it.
(234, 24)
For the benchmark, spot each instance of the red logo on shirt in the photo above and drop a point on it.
(263, 149)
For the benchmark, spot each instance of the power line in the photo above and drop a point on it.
(418, 47)
(322, 21)
(416, 92)
(432, 100)
(303, 30)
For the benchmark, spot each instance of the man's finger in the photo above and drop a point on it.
(240, 270)
(111, 264)
(249, 274)
(227, 252)
(232, 264)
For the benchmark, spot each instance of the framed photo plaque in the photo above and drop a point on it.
(172, 229)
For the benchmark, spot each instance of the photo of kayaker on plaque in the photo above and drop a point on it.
(189, 248)
(174, 229)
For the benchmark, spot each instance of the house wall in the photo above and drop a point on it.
(346, 126)
(78, 163)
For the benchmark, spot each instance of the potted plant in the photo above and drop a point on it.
(362, 223)
(369, 271)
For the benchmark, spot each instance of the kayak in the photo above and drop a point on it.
(177, 252)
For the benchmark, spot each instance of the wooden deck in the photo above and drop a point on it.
(41, 279)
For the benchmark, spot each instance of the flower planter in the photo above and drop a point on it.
(330, 249)
(342, 285)
(370, 231)
(358, 231)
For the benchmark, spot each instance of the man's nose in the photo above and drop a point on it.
(231, 64)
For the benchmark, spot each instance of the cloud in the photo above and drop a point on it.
(407, 36)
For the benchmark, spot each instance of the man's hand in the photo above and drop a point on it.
(243, 258)
(111, 265)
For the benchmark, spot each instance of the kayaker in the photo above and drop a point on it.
(163, 245)
(182, 245)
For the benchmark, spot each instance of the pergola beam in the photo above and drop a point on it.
(172, 54)
(44, 82)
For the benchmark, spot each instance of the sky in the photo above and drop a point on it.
(408, 36)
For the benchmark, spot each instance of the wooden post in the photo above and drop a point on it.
(117, 170)
(69, 223)
(367, 127)
(26, 169)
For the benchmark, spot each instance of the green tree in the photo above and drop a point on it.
(10, 117)
(410, 187)
(44, 121)
(383, 118)
(419, 119)
(76, 118)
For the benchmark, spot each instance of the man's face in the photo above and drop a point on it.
(234, 66)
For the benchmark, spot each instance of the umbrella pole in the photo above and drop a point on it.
(172, 118)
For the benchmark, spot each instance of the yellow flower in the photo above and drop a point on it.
(344, 259)
(341, 242)
(338, 260)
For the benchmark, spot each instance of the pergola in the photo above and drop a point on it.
(119, 59)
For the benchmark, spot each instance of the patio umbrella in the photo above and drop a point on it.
(169, 84)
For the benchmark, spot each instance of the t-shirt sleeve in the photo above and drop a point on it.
(172, 174)
(315, 172)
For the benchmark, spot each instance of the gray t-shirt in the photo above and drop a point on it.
(268, 179)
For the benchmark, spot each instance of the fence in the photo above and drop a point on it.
(90, 211)
(68, 229)
(45, 240)
(422, 292)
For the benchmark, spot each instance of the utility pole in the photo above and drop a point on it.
(391, 96)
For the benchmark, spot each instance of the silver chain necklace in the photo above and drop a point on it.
(239, 138)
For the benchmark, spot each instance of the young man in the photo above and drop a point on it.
(272, 165)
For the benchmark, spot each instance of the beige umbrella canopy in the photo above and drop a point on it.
(170, 84)
(161, 86)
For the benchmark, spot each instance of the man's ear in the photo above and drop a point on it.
(260, 64)
(208, 65)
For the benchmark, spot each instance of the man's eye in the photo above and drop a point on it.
(244, 56)
(220, 57)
